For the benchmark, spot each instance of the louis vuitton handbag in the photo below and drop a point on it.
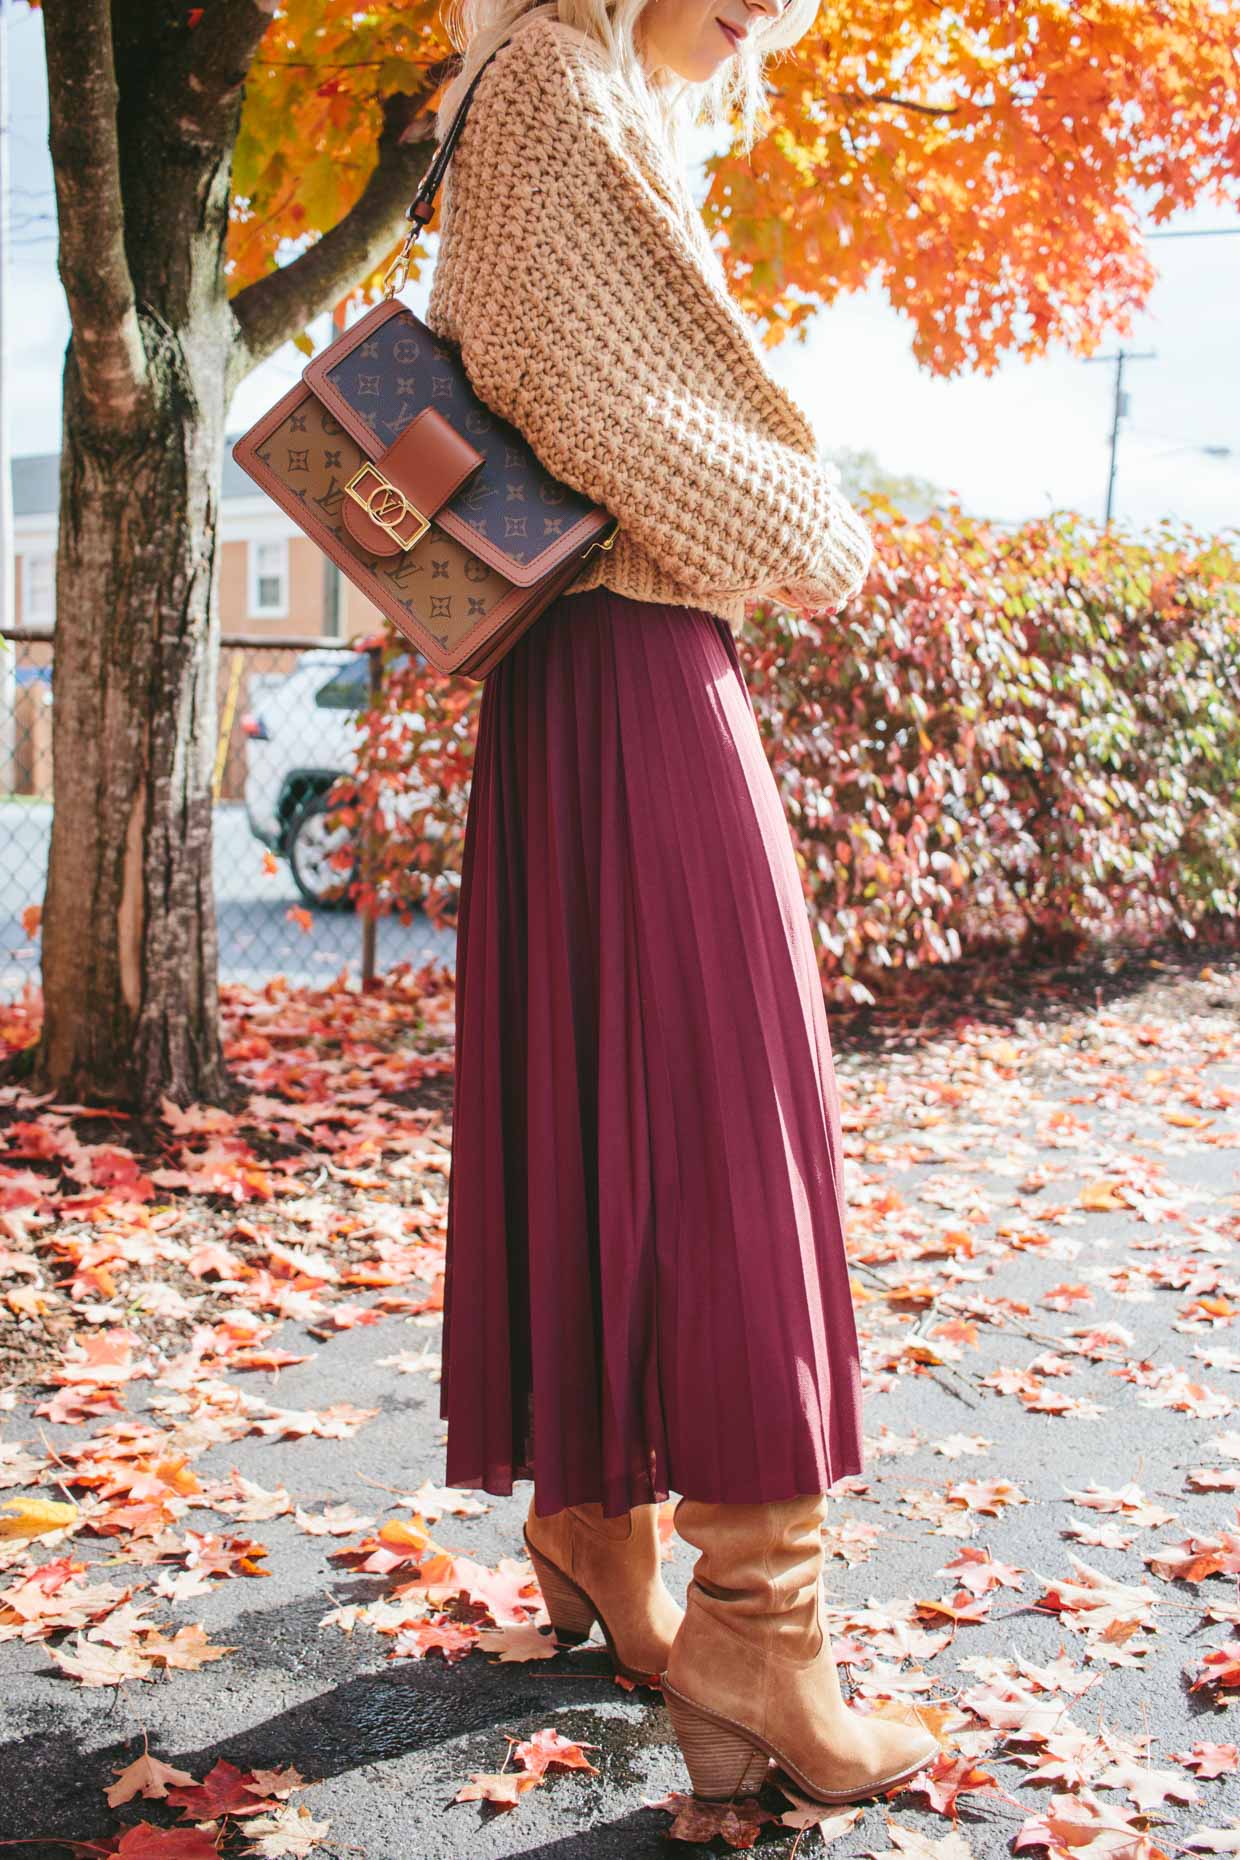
(432, 505)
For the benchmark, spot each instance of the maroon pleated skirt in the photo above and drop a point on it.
(646, 1288)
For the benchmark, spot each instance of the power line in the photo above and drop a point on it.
(1207, 232)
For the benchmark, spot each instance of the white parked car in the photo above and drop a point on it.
(301, 735)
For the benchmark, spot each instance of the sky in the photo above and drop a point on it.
(1031, 437)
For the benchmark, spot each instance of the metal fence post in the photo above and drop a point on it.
(369, 838)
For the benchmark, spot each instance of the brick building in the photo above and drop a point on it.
(273, 584)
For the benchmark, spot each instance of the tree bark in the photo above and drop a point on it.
(142, 132)
(131, 1009)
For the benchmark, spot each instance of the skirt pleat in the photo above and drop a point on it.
(646, 1287)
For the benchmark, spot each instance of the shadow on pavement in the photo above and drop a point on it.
(54, 1786)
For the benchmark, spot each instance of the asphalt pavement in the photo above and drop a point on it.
(389, 1744)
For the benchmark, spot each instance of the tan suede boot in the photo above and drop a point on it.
(752, 1675)
(607, 1569)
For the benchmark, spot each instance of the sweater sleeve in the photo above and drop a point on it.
(585, 318)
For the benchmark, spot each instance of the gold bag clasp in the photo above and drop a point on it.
(387, 505)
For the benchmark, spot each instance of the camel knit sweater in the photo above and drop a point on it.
(576, 278)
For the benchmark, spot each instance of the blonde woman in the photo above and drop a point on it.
(646, 1284)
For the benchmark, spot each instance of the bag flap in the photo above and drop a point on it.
(511, 511)
(390, 500)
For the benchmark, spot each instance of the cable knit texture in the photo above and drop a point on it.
(577, 280)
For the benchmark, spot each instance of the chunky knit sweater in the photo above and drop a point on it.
(575, 275)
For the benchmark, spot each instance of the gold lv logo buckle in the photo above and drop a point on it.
(387, 505)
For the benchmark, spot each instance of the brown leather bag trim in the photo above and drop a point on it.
(483, 646)
(427, 463)
(526, 574)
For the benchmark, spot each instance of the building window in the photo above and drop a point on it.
(269, 577)
(38, 589)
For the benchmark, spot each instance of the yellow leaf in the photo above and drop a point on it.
(34, 1516)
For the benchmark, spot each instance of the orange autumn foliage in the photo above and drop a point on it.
(986, 166)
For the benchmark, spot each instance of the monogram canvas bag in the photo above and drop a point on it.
(433, 506)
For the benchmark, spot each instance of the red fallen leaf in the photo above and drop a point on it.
(214, 1258)
(104, 1357)
(1100, 1342)
(1066, 1297)
(145, 1842)
(961, 1607)
(225, 1790)
(213, 1555)
(110, 1167)
(1209, 1760)
(947, 1778)
(21, 1187)
(986, 1495)
(1197, 1557)
(737, 1823)
(32, 918)
(1220, 1667)
(450, 1638)
(1010, 1381)
(1047, 1401)
(549, 1747)
(956, 1330)
(72, 1407)
(38, 1142)
(1214, 1479)
(1082, 1821)
(191, 20)
(977, 1571)
(504, 1790)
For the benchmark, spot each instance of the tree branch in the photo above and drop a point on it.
(898, 103)
(94, 268)
(278, 307)
(200, 81)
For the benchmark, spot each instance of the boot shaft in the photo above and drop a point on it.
(759, 1569)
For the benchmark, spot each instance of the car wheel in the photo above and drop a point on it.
(311, 842)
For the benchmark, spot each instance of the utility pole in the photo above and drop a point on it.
(1121, 407)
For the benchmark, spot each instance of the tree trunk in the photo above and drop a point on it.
(144, 113)
(129, 956)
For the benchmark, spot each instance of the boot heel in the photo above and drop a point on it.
(722, 1763)
(572, 1616)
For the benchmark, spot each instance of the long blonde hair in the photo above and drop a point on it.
(733, 99)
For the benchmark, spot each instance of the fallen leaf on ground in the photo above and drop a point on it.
(503, 1790)
(146, 1775)
(292, 1830)
(33, 1517)
(549, 1747)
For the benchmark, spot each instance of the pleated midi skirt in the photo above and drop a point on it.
(646, 1288)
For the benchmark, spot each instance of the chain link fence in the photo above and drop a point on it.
(286, 730)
